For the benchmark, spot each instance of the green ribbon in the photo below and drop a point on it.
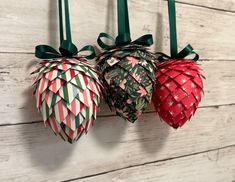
(188, 50)
(67, 48)
(124, 35)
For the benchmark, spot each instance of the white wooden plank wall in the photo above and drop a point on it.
(148, 151)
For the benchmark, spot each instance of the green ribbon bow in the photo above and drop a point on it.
(67, 48)
(124, 35)
(188, 50)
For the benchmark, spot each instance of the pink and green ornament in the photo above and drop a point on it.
(67, 88)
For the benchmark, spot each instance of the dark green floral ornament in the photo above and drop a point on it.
(127, 76)
(127, 70)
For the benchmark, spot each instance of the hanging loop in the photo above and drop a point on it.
(185, 52)
(67, 48)
(124, 36)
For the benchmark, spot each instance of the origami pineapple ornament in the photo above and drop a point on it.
(66, 87)
(127, 70)
(179, 85)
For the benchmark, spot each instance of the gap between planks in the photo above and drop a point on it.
(147, 163)
(204, 6)
(201, 59)
(113, 115)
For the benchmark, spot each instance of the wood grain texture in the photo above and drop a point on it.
(213, 166)
(206, 29)
(31, 153)
(146, 151)
(17, 104)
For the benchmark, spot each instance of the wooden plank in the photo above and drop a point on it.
(29, 152)
(36, 24)
(226, 5)
(17, 103)
(216, 166)
(32, 153)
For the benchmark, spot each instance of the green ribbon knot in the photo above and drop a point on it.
(187, 51)
(124, 39)
(67, 49)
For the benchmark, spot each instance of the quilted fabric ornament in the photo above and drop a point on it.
(127, 70)
(179, 81)
(67, 94)
(178, 92)
(66, 87)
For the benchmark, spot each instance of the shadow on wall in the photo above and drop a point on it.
(108, 132)
(46, 151)
(159, 29)
(110, 22)
(110, 19)
(53, 25)
(148, 131)
(159, 34)
(152, 132)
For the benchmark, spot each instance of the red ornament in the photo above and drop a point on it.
(178, 91)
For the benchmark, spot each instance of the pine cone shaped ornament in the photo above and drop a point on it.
(178, 91)
(66, 87)
(128, 79)
(67, 95)
(179, 85)
(127, 69)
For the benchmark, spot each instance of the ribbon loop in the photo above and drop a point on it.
(46, 52)
(101, 42)
(124, 35)
(173, 28)
(188, 50)
(67, 48)
(90, 49)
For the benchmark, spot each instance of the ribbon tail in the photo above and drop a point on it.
(196, 57)
(162, 57)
